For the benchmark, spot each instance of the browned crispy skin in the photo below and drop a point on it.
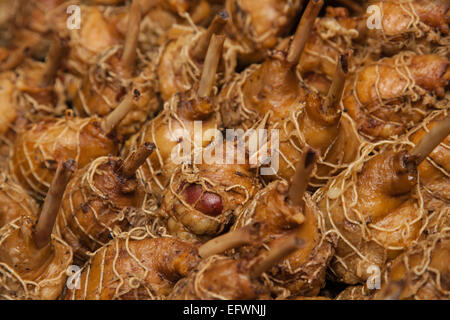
(219, 278)
(202, 199)
(168, 131)
(45, 267)
(382, 100)
(374, 212)
(303, 273)
(130, 269)
(39, 148)
(92, 210)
